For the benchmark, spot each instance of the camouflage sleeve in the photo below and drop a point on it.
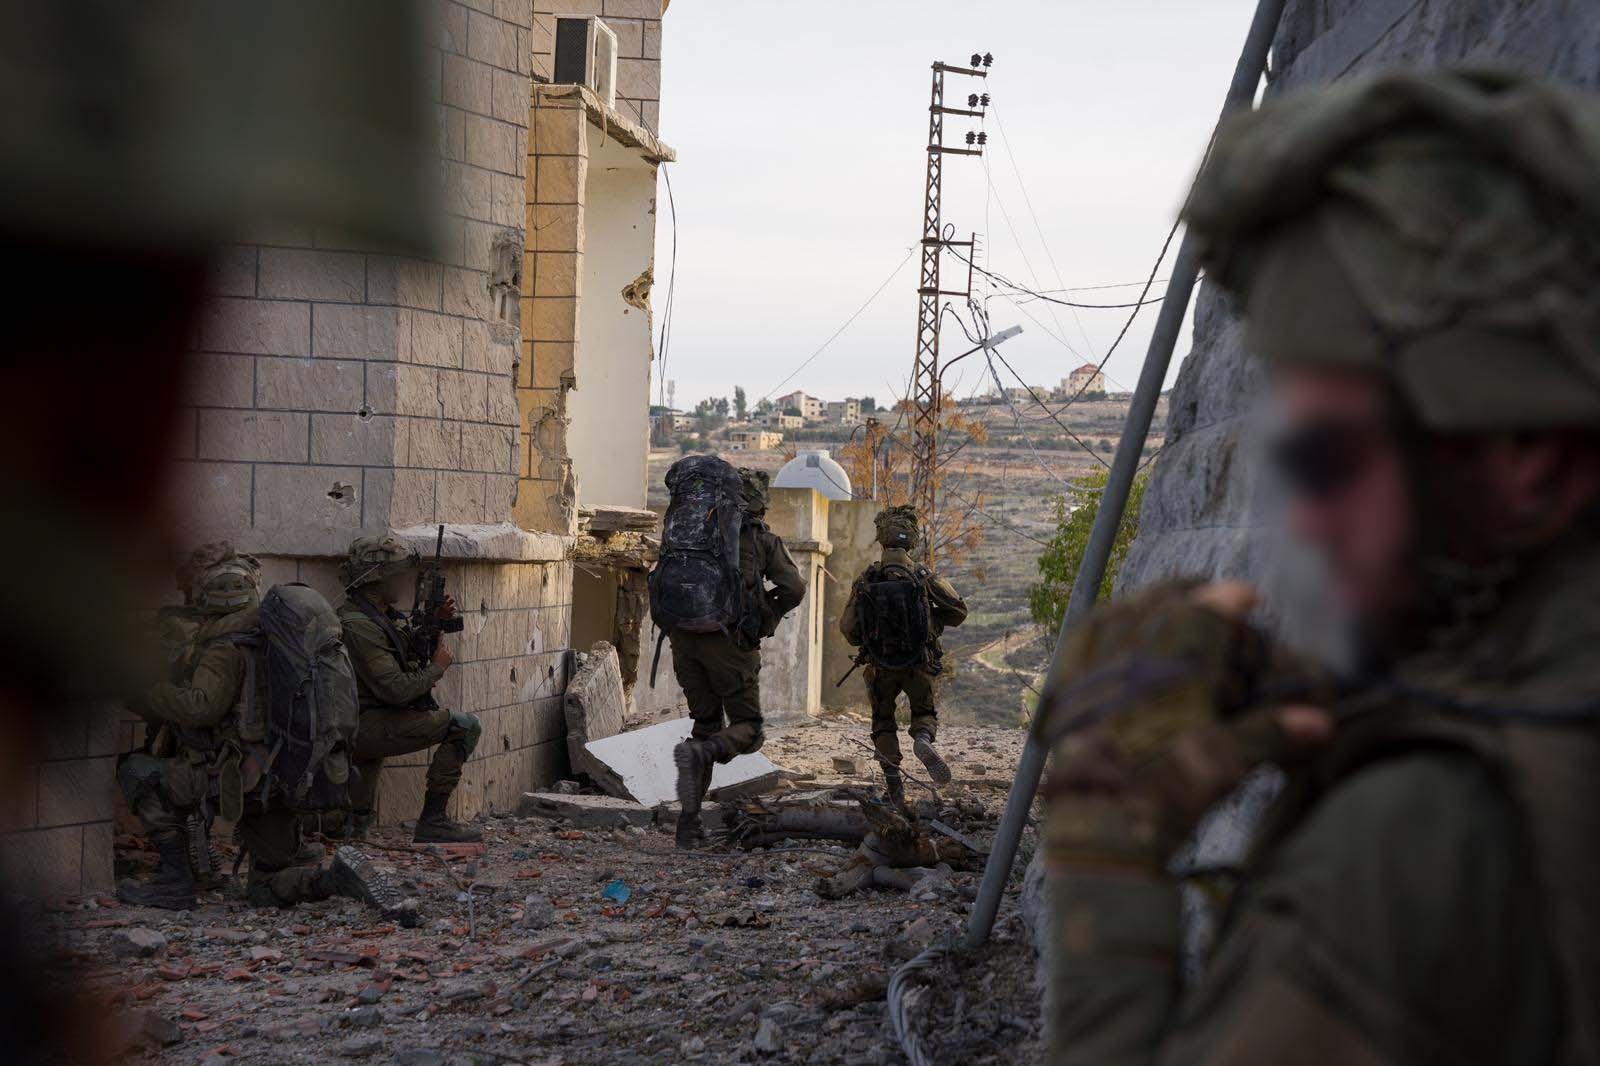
(850, 620)
(944, 603)
(380, 671)
(206, 698)
(1335, 945)
(789, 588)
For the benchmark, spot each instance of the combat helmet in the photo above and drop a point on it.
(897, 527)
(373, 560)
(1440, 228)
(229, 583)
(753, 492)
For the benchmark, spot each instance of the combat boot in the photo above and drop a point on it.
(352, 875)
(353, 826)
(172, 888)
(435, 827)
(695, 760)
(922, 744)
(894, 788)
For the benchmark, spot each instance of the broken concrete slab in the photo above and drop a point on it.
(712, 815)
(638, 765)
(594, 705)
(585, 812)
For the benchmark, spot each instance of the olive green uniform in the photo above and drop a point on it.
(398, 714)
(210, 759)
(1426, 889)
(721, 674)
(945, 608)
(1390, 912)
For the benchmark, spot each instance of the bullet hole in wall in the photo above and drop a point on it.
(342, 494)
(513, 675)
(364, 412)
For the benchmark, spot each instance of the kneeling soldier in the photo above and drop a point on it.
(896, 611)
(398, 712)
(201, 755)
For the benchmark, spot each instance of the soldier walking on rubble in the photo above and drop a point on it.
(398, 712)
(717, 556)
(895, 614)
(212, 745)
(1418, 257)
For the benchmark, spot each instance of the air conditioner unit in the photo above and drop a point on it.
(586, 54)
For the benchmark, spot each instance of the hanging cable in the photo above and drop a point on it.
(672, 283)
(847, 322)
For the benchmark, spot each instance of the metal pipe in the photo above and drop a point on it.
(1086, 585)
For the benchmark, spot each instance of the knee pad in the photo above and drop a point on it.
(468, 729)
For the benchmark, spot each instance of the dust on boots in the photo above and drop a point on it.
(695, 760)
(436, 827)
(173, 886)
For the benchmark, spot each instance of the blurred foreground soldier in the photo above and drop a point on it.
(230, 725)
(118, 162)
(1418, 257)
(398, 712)
(709, 596)
(895, 614)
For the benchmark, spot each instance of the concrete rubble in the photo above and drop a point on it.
(594, 706)
(530, 951)
(637, 765)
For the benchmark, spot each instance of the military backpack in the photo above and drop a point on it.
(696, 585)
(308, 721)
(896, 619)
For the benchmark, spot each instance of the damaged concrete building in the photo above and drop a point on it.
(339, 390)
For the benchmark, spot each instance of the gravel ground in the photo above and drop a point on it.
(526, 953)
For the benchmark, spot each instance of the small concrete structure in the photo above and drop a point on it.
(640, 766)
(815, 469)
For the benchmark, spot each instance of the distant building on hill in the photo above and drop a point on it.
(811, 409)
(776, 419)
(1087, 378)
(846, 412)
(751, 439)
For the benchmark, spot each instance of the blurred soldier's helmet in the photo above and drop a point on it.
(1441, 228)
(897, 527)
(197, 562)
(374, 560)
(753, 490)
(229, 584)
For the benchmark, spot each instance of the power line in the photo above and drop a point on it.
(835, 336)
(672, 284)
(1000, 127)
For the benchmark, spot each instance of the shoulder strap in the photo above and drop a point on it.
(382, 621)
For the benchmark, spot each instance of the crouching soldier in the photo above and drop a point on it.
(896, 611)
(212, 756)
(398, 712)
(709, 595)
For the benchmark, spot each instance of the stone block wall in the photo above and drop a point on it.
(339, 390)
(56, 813)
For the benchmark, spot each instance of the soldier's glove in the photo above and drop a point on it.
(1156, 719)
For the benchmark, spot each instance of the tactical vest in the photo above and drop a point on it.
(1547, 759)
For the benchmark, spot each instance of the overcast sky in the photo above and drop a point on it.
(801, 128)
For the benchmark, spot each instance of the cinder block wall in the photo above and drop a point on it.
(340, 390)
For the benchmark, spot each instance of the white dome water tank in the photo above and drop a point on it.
(815, 470)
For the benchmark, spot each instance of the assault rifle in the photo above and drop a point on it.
(426, 625)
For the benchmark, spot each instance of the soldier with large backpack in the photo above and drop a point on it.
(896, 611)
(396, 673)
(709, 597)
(256, 730)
